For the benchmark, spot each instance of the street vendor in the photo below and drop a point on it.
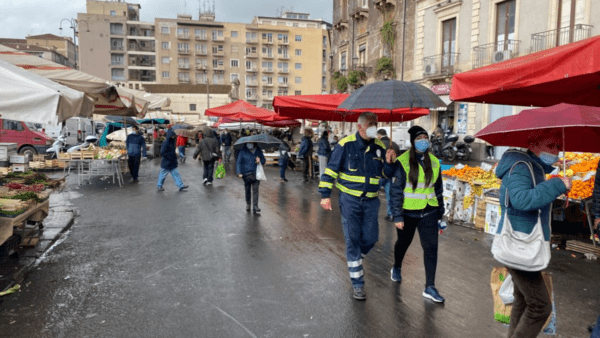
(136, 149)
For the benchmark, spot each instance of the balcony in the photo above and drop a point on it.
(147, 78)
(284, 42)
(218, 38)
(118, 78)
(252, 69)
(252, 97)
(267, 70)
(201, 38)
(495, 52)
(251, 55)
(283, 84)
(218, 53)
(251, 40)
(267, 55)
(283, 70)
(201, 67)
(283, 56)
(183, 80)
(563, 36)
(117, 63)
(138, 63)
(183, 51)
(267, 84)
(218, 68)
(251, 84)
(201, 52)
(183, 66)
(340, 24)
(183, 36)
(267, 41)
(116, 32)
(440, 66)
(360, 13)
(116, 47)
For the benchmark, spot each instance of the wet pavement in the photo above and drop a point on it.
(142, 263)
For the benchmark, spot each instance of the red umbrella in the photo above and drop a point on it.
(240, 111)
(569, 73)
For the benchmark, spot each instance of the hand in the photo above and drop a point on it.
(400, 225)
(257, 160)
(567, 181)
(596, 222)
(390, 156)
(240, 175)
(326, 203)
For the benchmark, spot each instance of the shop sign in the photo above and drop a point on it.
(462, 119)
(443, 89)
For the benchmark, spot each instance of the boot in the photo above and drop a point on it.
(256, 209)
(248, 207)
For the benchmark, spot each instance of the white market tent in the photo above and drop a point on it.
(25, 96)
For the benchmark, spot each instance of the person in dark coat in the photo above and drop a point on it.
(249, 157)
(324, 152)
(208, 150)
(284, 156)
(136, 147)
(305, 152)
(168, 164)
(226, 141)
(384, 182)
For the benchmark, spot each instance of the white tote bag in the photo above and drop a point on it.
(260, 173)
(519, 250)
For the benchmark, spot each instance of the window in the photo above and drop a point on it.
(298, 66)
(218, 79)
(251, 94)
(200, 62)
(234, 49)
(235, 63)
(183, 77)
(201, 49)
(282, 80)
(217, 35)
(324, 82)
(192, 107)
(166, 45)
(183, 47)
(282, 66)
(183, 32)
(267, 51)
(571, 13)
(251, 36)
(267, 37)
(324, 68)
(282, 38)
(343, 61)
(268, 105)
(165, 75)
(267, 94)
(324, 42)
(298, 38)
(297, 92)
(448, 42)
(116, 28)
(505, 25)
(365, 4)
(117, 59)
(12, 125)
(282, 92)
(267, 66)
(296, 24)
(113, 13)
(201, 78)
(250, 50)
(267, 79)
(283, 52)
(250, 65)
(118, 74)
(217, 63)
(234, 77)
(201, 34)
(166, 60)
(234, 34)
(164, 30)
(117, 44)
(250, 79)
(298, 52)
(362, 55)
(298, 79)
(184, 63)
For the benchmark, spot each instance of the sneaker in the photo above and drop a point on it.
(284, 179)
(160, 189)
(183, 160)
(135, 181)
(205, 180)
(395, 275)
(256, 210)
(208, 183)
(432, 293)
(359, 293)
(183, 188)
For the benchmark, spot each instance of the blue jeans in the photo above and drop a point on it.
(361, 232)
(283, 163)
(387, 184)
(162, 176)
(596, 332)
(227, 153)
(181, 151)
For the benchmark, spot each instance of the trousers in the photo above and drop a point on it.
(251, 185)
(209, 170)
(307, 170)
(387, 184)
(532, 305)
(134, 166)
(361, 232)
(181, 151)
(226, 153)
(428, 233)
(283, 163)
(162, 176)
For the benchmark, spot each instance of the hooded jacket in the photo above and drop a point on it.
(524, 199)
(167, 151)
(207, 146)
(306, 147)
(324, 147)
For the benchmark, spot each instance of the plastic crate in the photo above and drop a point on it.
(446, 167)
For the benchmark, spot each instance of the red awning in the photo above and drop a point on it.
(569, 74)
(324, 108)
(281, 123)
(240, 111)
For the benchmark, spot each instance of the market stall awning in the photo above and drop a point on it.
(108, 99)
(447, 101)
(569, 74)
(240, 111)
(25, 96)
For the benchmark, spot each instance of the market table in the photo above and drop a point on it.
(97, 167)
(587, 203)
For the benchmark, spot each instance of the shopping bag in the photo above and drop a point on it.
(220, 172)
(260, 173)
(507, 291)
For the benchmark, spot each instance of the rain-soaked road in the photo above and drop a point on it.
(138, 263)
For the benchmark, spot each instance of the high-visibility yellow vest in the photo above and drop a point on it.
(419, 198)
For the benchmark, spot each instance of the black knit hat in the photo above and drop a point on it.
(416, 131)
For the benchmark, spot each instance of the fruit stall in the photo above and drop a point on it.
(471, 199)
(97, 161)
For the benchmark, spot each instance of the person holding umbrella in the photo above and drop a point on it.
(529, 199)
(417, 204)
(169, 163)
(248, 159)
(357, 163)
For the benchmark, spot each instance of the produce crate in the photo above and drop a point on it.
(64, 156)
(480, 211)
(492, 215)
(37, 165)
(582, 247)
(38, 158)
(5, 170)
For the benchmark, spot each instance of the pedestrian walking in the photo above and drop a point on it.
(385, 183)
(226, 141)
(181, 144)
(305, 152)
(284, 156)
(529, 200)
(249, 157)
(208, 150)
(357, 164)
(168, 164)
(595, 327)
(417, 204)
(136, 149)
(324, 152)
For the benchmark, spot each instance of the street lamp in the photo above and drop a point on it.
(74, 25)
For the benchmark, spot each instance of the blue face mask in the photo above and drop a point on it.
(250, 146)
(422, 145)
(548, 158)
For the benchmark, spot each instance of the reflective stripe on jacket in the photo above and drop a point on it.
(422, 196)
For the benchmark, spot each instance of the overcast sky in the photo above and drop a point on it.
(19, 18)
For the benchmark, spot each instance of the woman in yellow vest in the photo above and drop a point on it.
(418, 204)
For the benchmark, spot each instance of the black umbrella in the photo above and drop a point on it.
(264, 141)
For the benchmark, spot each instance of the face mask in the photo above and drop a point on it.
(250, 146)
(372, 132)
(422, 145)
(548, 158)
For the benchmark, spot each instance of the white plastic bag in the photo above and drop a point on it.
(507, 290)
(260, 173)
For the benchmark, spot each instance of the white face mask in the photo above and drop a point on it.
(372, 132)
(250, 146)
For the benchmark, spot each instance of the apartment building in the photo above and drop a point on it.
(455, 36)
(271, 56)
(117, 46)
(55, 48)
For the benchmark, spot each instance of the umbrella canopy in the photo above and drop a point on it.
(119, 119)
(240, 111)
(578, 125)
(569, 74)
(282, 123)
(153, 121)
(263, 140)
(28, 97)
(119, 135)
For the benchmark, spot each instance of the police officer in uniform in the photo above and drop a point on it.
(358, 162)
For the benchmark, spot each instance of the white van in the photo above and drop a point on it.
(78, 128)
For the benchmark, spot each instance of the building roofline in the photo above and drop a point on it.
(299, 20)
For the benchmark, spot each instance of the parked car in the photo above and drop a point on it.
(29, 141)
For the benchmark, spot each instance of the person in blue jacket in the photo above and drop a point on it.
(324, 152)
(168, 164)
(305, 152)
(532, 304)
(248, 159)
(136, 147)
(357, 164)
(284, 156)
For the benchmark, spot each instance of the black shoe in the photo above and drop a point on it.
(135, 181)
(183, 188)
(248, 207)
(256, 210)
(284, 179)
(160, 189)
(592, 327)
(359, 293)
(183, 160)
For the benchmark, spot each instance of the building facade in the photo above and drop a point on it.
(48, 46)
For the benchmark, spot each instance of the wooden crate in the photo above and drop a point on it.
(5, 170)
(582, 247)
(64, 156)
(37, 165)
(88, 155)
(39, 158)
(14, 205)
